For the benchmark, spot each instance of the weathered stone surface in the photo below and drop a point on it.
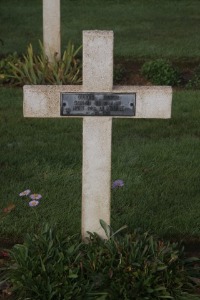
(44, 101)
(96, 181)
(51, 28)
(98, 60)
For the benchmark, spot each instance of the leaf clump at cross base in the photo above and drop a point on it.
(132, 266)
(36, 69)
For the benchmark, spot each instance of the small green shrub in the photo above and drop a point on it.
(36, 69)
(135, 266)
(160, 72)
(194, 83)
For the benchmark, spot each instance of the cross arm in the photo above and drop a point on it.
(43, 101)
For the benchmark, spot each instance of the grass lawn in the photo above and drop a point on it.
(158, 160)
(145, 28)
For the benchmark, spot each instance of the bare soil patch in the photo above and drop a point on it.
(132, 75)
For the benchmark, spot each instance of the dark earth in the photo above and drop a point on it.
(131, 71)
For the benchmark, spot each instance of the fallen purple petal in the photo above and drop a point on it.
(33, 203)
(117, 183)
(35, 196)
(25, 193)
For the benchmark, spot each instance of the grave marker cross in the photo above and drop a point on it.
(46, 102)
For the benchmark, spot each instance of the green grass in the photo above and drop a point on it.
(159, 161)
(148, 28)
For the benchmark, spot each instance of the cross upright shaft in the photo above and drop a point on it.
(51, 29)
(98, 60)
(97, 132)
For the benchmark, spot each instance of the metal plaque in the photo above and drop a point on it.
(98, 104)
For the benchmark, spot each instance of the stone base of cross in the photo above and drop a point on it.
(91, 102)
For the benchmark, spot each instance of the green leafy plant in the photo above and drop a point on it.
(44, 266)
(137, 266)
(36, 69)
(6, 69)
(160, 72)
(134, 266)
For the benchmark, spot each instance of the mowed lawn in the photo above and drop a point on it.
(158, 160)
(146, 28)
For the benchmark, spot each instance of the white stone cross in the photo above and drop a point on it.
(51, 28)
(45, 102)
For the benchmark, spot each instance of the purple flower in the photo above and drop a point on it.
(25, 193)
(33, 203)
(117, 183)
(35, 196)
